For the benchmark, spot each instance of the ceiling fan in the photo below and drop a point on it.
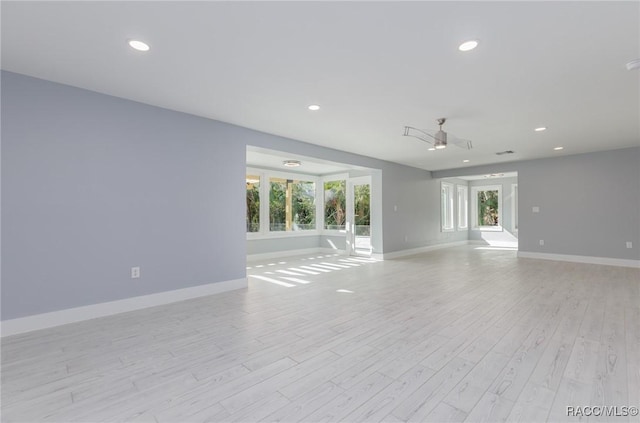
(439, 140)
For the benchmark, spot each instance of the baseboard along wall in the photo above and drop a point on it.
(607, 261)
(77, 314)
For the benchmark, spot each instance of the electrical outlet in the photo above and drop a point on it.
(135, 272)
(536, 209)
(406, 238)
(542, 242)
(629, 244)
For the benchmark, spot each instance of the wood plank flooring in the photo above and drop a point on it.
(462, 334)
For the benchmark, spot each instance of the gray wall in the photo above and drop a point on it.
(270, 245)
(589, 203)
(93, 185)
(432, 233)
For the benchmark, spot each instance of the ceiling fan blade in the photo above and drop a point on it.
(460, 142)
(410, 131)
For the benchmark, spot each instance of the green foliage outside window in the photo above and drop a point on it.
(362, 211)
(488, 212)
(335, 205)
(302, 203)
(277, 205)
(253, 203)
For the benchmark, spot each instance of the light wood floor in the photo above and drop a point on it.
(462, 334)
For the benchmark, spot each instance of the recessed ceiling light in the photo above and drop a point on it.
(468, 45)
(291, 163)
(138, 45)
(465, 161)
(314, 107)
(634, 64)
(540, 129)
(558, 148)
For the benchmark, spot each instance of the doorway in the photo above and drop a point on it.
(359, 216)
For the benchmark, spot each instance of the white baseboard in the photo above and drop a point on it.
(420, 250)
(581, 259)
(77, 314)
(291, 253)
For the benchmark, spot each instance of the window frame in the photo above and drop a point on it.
(450, 188)
(260, 196)
(338, 177)
(474, 208)
(460, 207)
(265, 186)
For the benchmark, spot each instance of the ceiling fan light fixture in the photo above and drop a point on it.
(291, 163)
(440, 138)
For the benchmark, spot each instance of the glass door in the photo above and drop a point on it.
(359, 221)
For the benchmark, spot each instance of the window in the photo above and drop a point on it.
(487, 207)
(291, 205)
(335, 205)
(463, 207)
(447, 206)
(253, 203)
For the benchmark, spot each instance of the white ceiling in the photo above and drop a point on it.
(490, 176)
(263, 158)
(374, 67)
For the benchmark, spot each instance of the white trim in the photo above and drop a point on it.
(460, 207)
(419, 250)
(581, 259)
(514, 208)
(447, 190)
(290, 253)
(78, 314)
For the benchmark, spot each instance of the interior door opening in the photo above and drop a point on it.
(360, 216)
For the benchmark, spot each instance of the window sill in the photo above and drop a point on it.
(489, 229)
(273, 235)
